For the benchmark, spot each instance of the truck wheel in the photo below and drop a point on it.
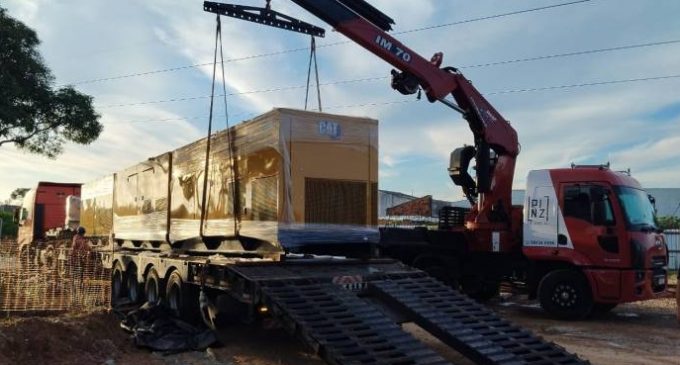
(565, 294)
(117, 284)
(181, 298)
(481, 288)
(132, 285)
(152, 287)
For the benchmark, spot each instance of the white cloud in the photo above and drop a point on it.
(583, 125)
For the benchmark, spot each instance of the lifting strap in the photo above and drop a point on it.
(204, 196)
(230, 137)
(312, 57)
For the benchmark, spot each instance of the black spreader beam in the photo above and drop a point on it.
(263, 16)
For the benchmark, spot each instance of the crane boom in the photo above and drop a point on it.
(496, 144)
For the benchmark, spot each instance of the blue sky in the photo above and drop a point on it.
(633, 125)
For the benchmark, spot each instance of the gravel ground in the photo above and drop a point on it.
(638, 333)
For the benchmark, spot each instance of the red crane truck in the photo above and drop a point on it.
(586, 237)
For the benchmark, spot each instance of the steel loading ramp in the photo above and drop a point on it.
(359, 327)
(343, 328)
(467, 326)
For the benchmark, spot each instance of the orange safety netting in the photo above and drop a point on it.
(51, 279)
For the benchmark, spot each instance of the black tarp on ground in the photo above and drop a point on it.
(156, 328)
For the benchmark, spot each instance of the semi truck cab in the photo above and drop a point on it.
(599, 225)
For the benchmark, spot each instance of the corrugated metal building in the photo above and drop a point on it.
(389, 199)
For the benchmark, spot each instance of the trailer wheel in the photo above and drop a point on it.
(152, 287)
(565, 294)
(132, 285)
(181, 298)
(117, 284)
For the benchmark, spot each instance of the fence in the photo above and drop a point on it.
(673, 242)
(51, 279)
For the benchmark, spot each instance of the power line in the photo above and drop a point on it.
(488, 64)
(478, 65)
(292, 50)
(179, 68)
(488, 17)
(503, 62)
(509, 91)
(285, 88)
(575, 53)
(571, 86)
(261, 91)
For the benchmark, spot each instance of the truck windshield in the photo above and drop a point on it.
(639, 211)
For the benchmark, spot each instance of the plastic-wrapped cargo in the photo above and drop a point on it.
(285, 178)
(96, 207)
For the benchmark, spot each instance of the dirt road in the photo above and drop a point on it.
(632, 334)
(645, 333)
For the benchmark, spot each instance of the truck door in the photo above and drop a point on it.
(590, 221)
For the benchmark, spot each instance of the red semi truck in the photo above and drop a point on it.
(48, 211)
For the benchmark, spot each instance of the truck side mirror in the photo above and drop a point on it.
(653, 201)
(16, 215)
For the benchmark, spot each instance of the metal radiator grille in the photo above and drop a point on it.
(335, 202)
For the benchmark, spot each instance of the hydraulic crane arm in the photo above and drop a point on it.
(367, 26)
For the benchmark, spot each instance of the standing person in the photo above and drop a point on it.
(80, 260)
(80, 244)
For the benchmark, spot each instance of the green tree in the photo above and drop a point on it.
(9, 228)
(18, 193)
(669, 222)
(34, 116)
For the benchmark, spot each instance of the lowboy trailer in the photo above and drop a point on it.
(348, 311)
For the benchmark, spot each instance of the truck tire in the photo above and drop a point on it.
(152, 287)
(481, 288)
(132, 285)
(181, 298)
(117, 284)
(565, 294)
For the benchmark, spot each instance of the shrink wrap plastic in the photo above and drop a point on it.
(96, 206)
(72, 212)
(287, 178)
